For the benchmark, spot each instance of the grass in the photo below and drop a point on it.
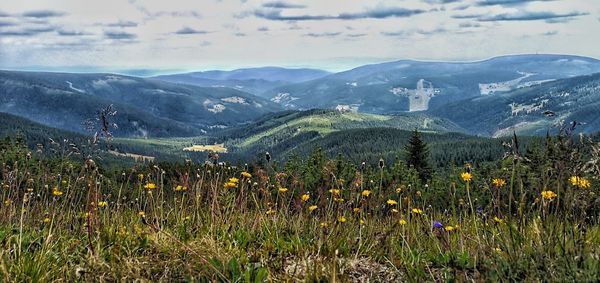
(320, 220)
(200, 148)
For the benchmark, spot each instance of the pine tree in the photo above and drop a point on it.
(417, 155)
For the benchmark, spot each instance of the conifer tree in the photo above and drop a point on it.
(417, 155)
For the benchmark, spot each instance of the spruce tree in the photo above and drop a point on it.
(417, 155)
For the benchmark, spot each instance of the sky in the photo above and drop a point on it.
(153, 36)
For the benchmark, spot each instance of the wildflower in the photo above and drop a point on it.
(498, 220)
(402, 222)
(498, 250)
(187, 218)
(234, 180)
(102, 204)
(366, 193)
(283, 190)
(335, 191)
(340, 200)
(549, 195)
(312, 208)
(141, 214)
(30, 190)
(246, 175)
(416, 211)
(466, 176)
(305, 197)
(449, 228)
(580, 182)
(150, 186)
(323, 224)
(56, 192)
(270, 211)
(229, 185)
(356, 210)
(342, 219)
(437, 225)
(392, 202)
(7, 202)
(46, 220)
(362, 222)
(141, 176)
(394, 210)
(499, 183)
(180, 188)
(398, 190)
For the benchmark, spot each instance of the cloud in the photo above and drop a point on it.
(406, 33)
(6, 24)
(401, 33)
(378, 13)
(356, 34)
(466, 16)
(282, 5)
(27, 31)
(324, 34)
(530, 16)
(122, 24)
(506, 2)
(63, 32)
(550, 33)
(469, 25)
(119, 35)
(4, 14)
(188, 30)
(262, 29)
(43, 14)
(239, 34)
(440, 1)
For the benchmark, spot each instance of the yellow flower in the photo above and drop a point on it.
(498, 220)
(356, 210)
(141, 214)
(312, 207)
(56, 192)
(499, 183)
(305, 197)
(394, 210)
(234, 180)
(549, 195)
(335, 191)
(398, 190)
(283, 190)
(30, 190)
(270, 211)
(246, 175)
(362, 222)
(342, 219)
(498, 250)
(229, 185)
(402, 222)
(466, 176)
(180, 188)
(46, 220)
(324, 224)
(392, 202)
(366, 193)
(141, 176)
(449, 228)
(102, 204)
(7, 202)
(338, 200)
(416, 211)
(580, 182)
(150, 186)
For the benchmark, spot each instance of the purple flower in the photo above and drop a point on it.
(437, 225)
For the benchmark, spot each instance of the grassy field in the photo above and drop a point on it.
(312, 221)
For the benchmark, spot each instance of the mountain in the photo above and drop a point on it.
(530, 110)
(409, 86)
(145, 107)
(252, 80)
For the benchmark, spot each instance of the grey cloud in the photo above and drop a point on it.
(530, 16)
(4, 14)
(356, 34)
(550, 33)
(239, 34)
(262, 29)
(324, 34)
(27, 31)
(119, 35)
(282, 5)
(6, 24)
(467, 16)
(396, 33)
(378, 13)
(440, 1)
(506, 2)
(188, 30)
(469, 25)
(43, 14)
(63, 32)
(122, 24)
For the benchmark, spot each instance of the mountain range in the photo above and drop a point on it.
(529, 94)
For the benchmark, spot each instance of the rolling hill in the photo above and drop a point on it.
(146, 108)
(407, 85)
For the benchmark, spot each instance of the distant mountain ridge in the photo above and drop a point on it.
(253, 80)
